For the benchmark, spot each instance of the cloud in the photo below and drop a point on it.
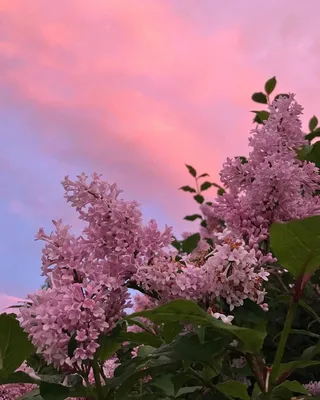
(7, 301)
(131, 91)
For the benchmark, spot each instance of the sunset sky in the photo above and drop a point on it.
(133, 89)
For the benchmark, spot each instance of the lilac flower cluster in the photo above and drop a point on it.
(87, 274)
(272, 184)
(313, 388)
(171, 279)
(232, 273)
(14, 391)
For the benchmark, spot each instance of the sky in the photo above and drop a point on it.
(133, 89)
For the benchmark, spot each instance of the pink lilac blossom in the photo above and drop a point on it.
(171, 279)
(14, 391)
(313, 388)
(213, 224)
(226, 319)
(232, 273)
(79, 311)
(142, 302)
(273, 185)
(113, 242)
(238, 362)
(87, 274)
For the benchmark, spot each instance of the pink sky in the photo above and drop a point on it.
(133, 90)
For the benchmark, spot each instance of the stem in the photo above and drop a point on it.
(198, 191)
(256, 371)
(96, 374)
(283, 340)
(281, 283)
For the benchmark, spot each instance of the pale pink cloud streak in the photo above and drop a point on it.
(7, 301)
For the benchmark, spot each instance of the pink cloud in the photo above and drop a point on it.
(7, 301)
(138, 91)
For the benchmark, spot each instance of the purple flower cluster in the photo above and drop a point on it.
(14, 391)
(232, 273)
(87, 275)
(313, 388)
(171, 279)
(272, 184)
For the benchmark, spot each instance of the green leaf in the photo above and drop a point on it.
(145, 351)
(198, 198)
(188, 189)
(192, 217)
(187, 347)
(15, 347)
(179, 380)
(170, 331)
(296, 244)
(234, 389)
(314, 154)
(294, 386)
(191, 170)
(139, 323)
(203, 175)
(201, 332)
(250, 315)
(289, 367)
(313, 134)
(310, 352)
(32, 395)
(50, 391)
(188, 311)
(256, 391)
(260, 116)
(243, 160)
(221, 191)
(141, 338)
(109, 344)
(270, 85)
(206, 185)
(204, 223)
(278, 393)
(72, 345)
(303, 153)
(189, 244)
(259, 97)
(187, 390)
(313, 123)
(19, 377)
(176, 244)
(165, 384)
